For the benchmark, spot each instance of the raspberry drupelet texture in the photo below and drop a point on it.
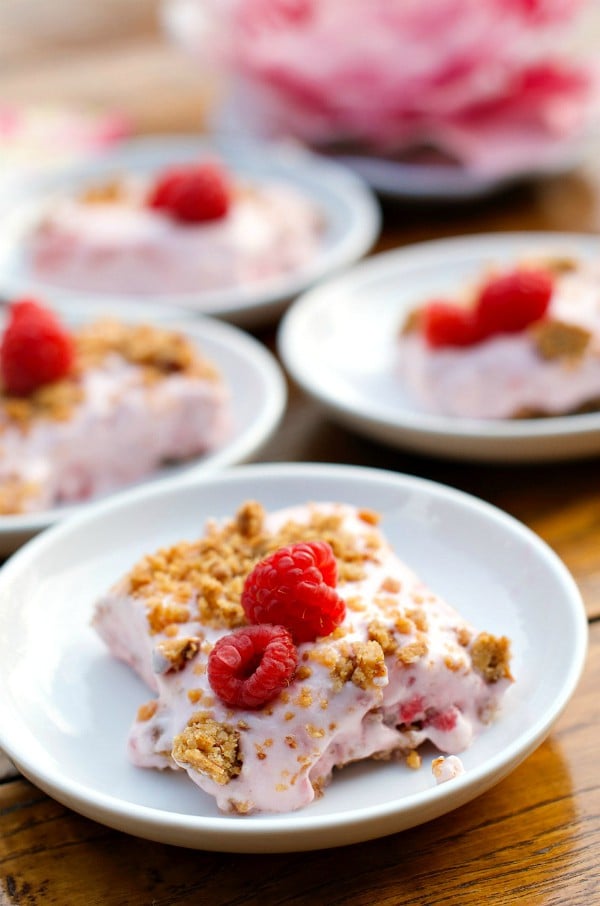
(295, 587)
(511, 302)
(249, 667)
(35, 350)
(192, 194)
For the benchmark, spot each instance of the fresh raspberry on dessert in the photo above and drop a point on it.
(162, 190)
(35, 350)
(511, 302)
(295, 587)
(445, 324)
(192, 194)
(249, 667)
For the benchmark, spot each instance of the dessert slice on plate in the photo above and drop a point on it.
(87, 411)
(282, 645)
(523, 342)
(188, 229)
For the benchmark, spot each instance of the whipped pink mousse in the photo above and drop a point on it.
(138, 397)
(403, 668)
(110, 241)
(550, 368)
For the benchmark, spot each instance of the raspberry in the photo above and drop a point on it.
(250, 666)
(511, 302)
(162, 190)
(411, 709)
(443, 720)
(35, 349)
(295, 587)
(192, 194)
(445, 324)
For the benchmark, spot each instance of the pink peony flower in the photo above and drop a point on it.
(478, 79)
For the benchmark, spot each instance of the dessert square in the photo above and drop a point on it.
(395, 666)
(88, 411)
(520, 342)
(189, 229)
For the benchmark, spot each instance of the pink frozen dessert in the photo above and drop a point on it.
(191, 229)
(86, 412)
(520, 343)
(284, 645)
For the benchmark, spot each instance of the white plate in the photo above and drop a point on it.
(66, 705)
(258, 397)
(350, 212)
(339, 342)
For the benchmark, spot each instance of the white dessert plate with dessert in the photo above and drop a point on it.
(221, 227)
(67, 704)
(136, 403)
(516, 390)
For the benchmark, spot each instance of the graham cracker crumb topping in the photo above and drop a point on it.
(177, 652)
(556, 339)
(209, 747)
(147, 710)
(15, 495)
(361, 663)
(490, 656)
(206, 577)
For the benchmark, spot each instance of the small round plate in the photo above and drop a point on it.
(350, 213)
(66, 705)
(258, 397)
(339, 342)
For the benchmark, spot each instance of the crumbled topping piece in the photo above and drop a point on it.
(412, 322)
(390, 585)
(15, 495)
(147, 710)
(410, 653)
(173, 654)
(163, 613)
(109, 192)
(490, 656)
(241, 807)
(369, 516)
(413, 760)
(250, 519)
(361, 663)
(463, 636)
(156, 348)
(556, 339)
(209, 747)
(380, 633)
(370, 670)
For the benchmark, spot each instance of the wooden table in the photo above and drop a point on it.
(534, 838)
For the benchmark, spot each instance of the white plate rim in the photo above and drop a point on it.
(396, 179)
(247, 349)
(396, 261)
(326, 178)
(255, 834)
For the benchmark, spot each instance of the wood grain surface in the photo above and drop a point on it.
(534, 838)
